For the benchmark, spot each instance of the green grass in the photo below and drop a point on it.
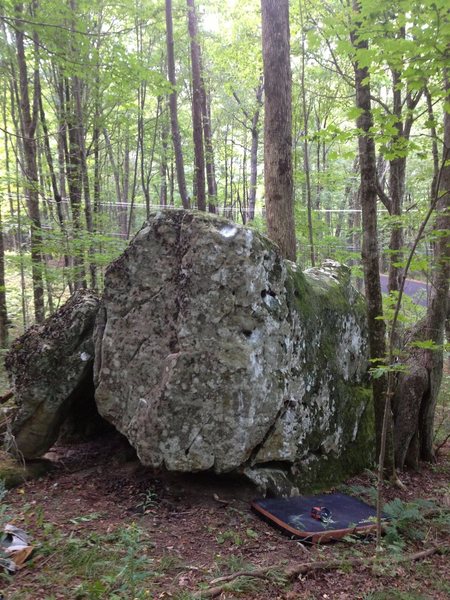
(117, 566)
(393, 594)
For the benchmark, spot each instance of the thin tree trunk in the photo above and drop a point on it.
(278, 175)
(7, 163)
(370, 254)
(163, 162)
(397, 172)
(19, 155)
(76, 86)
(123, 212)
(176, 137)
(53, 177)
(24, 304)
(254, 152)
(172, 181)
(243, 206)
(115, 170)
(434, 143)
(306, 162)
(146, 179)
(197, 101)
(28, 118)
(74, 181)
(225, 157)
(209, 149)
(3, 307)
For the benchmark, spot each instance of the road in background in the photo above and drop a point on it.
(415, 289)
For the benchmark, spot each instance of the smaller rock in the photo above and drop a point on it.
(50, 368)
(13, 472)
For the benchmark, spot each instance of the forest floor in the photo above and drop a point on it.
(104, 527)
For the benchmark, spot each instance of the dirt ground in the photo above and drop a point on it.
(192, 530)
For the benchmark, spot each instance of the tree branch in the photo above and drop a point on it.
(383, 197)
(295, 571)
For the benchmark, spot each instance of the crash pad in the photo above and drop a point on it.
(343, 515)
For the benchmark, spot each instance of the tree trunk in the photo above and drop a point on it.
(115, 170)
(197, 102)
(418, 388)
(53, 177)
(74, 181)
(254, 152)
(176, 137)
(123, 210)
(19, 156)
(370, 254)
(7, 163)
(307, 170)
(163, 167)
(278, 177)
(28, 119)
(434, 143)
(3, 307)
(209, 149)
(397, 173)
(77, 94)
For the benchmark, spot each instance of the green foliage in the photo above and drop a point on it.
(230, 536)
(149, 500)
(407, 522)
(116, 565)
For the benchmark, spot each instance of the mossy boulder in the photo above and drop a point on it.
(50, 368)
(213, 353)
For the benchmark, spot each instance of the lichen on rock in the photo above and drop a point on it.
(50, 368)
(213, 353)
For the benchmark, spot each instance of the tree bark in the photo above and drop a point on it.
(418, 388)
(209, 148)
(197, 102)
(3, 307)
(163, 167)
(278, 177)
(437, 312)
(254, 152)
(115, 170)
(74, 181)
(306, 162)
(81, 130)
(176, 137)
(434, 143)
(28, 119)
(397, 172)
(370, 253)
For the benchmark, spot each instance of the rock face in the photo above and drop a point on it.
(213, 353)
(50, 367)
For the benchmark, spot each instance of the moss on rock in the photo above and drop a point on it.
(14, 473)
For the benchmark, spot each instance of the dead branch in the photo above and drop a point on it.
(295, 571)
(440, 446)
(6, 397)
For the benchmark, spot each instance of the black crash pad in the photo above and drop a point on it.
(293, 516)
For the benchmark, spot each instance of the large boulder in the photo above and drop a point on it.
(50, 368)
(213, 353)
